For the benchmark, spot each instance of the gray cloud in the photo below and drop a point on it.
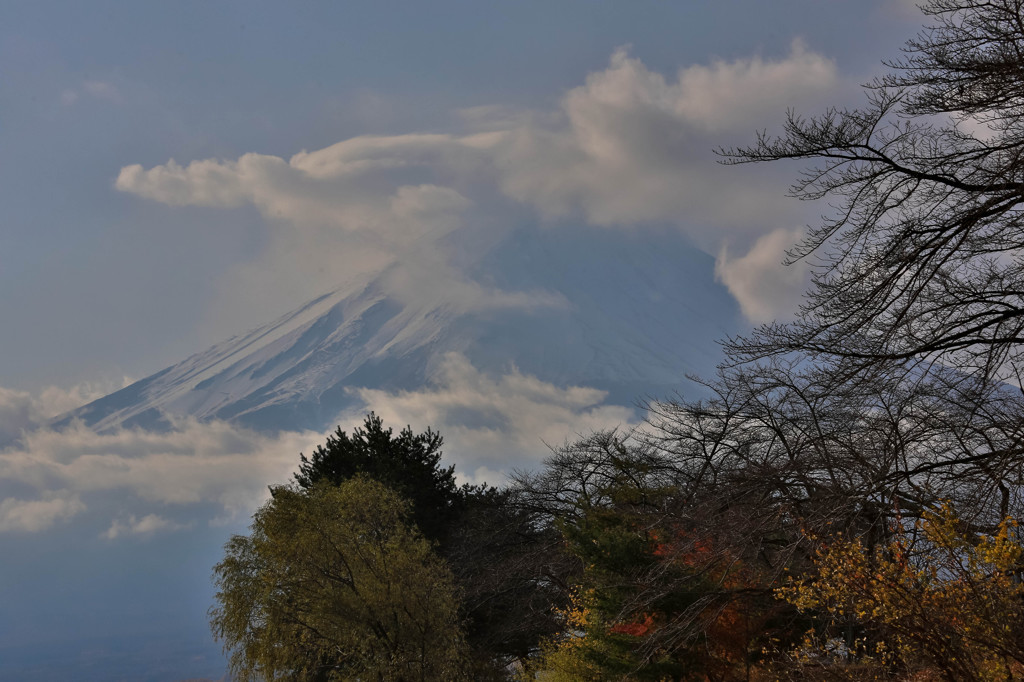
(630, 146)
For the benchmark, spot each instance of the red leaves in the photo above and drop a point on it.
(634, 629)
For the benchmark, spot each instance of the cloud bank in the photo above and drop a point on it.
(214, 472)
(493, 424)
(630, 147)
(21, 411)
(213, 464)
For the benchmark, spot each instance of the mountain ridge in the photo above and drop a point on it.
(622, 321)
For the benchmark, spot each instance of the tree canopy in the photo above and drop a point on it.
(333, 583)
(408, 463)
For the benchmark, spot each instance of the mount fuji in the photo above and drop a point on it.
(617, 311)
(157, 470)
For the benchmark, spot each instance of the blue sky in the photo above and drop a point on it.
(174, 173)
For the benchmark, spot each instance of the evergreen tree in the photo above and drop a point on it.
(409, 464)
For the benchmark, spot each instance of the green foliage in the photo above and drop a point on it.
(498, 555)
(334, 584)
(408, 463)
(659, 597)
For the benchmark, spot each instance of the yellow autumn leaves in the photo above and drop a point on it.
(938, 597)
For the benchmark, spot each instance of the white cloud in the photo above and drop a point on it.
(21, 411)
(637, 146)
(630, 146)
(350, 185)
(201, 183)
(493, 424)
(54, 400)
(765, 288)
(30, 516)
(338, 215)
(146, 526)
(193, 463)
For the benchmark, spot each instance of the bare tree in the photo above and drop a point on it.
(897, 385)
(921, 258)
(853, 452)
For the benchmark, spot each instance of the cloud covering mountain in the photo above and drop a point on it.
(554, 335)
(629, 149)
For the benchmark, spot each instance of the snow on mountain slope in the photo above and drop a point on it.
(631, 316)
